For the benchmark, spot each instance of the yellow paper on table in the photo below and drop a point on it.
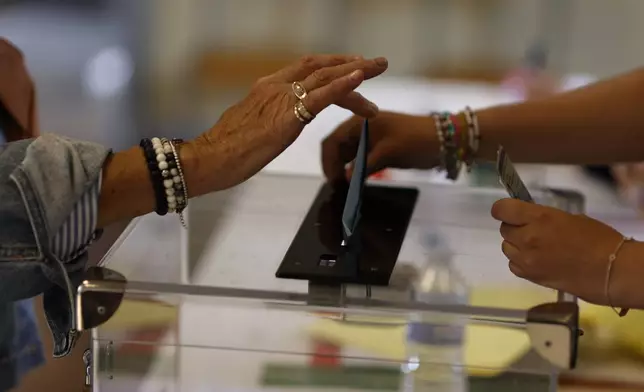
(142, 314)
(601, 325)
(627, 331)
(489, 350)
(524, 298)
(520, 297)
(623, 333)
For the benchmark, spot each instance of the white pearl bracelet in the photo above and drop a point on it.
(169, 165)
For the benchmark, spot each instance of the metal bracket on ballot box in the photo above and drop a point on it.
(98, 297)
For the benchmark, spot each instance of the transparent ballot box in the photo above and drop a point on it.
(201, 309)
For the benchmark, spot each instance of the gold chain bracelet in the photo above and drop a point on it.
(609, 269)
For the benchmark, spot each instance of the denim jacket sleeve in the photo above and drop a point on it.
(40, 181)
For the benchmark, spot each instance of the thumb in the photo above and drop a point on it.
(375, 162)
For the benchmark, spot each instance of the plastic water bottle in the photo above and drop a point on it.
(435, 342)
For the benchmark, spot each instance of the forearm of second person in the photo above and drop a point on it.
(597, 124)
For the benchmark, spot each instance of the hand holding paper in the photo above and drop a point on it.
(351, 213)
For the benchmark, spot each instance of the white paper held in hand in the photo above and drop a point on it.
(353, 203)
(509, 177)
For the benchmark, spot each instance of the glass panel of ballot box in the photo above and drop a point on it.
(201, 309)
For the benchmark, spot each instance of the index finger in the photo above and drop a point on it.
(306, 65)
(340, 147)
(323, 76)
(515, 212)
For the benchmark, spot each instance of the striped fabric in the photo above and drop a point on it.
(78, 231)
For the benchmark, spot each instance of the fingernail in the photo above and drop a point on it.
(381, 61)
(373, 107)
(357, 74)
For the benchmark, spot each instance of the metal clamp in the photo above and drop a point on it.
(554, 332)
(98, 297)
(327, 294)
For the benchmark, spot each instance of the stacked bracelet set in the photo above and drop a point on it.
(458, 144)
(170, 191)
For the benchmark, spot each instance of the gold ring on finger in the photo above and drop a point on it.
(299, 116)
(299, 90)
(303, 111)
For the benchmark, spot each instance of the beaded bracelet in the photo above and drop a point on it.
(175, 184)
(166, 174)
(181, 199)
(449, 161)
(167, 165)
(457, 146)
(148, 147)
(460, 138)
(474, 136)
(452, 161)
(441, 141)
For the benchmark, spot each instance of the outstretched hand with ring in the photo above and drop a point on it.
(254, 131)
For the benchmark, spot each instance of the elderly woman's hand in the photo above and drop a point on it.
(558, 250)
(254, 131)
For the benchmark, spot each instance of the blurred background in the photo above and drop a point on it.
(112, 71)
(108, 70)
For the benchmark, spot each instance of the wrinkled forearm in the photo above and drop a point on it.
(127, 190)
